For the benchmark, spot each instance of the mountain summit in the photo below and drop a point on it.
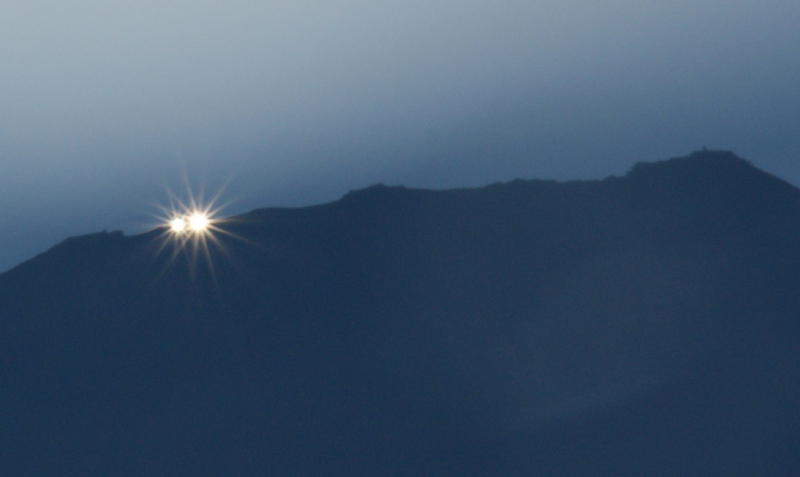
(636, 325)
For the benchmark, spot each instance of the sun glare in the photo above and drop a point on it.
(195, 223)
(198, 222)
(193, 230)
(177, 225)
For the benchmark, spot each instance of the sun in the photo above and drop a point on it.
(193, 232)
(190, 222)
(199, 222)
(177, 225)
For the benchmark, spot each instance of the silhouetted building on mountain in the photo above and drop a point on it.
(636, 325)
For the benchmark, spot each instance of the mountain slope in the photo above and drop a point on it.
(639, 325)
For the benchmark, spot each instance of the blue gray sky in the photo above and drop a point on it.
(107, 106)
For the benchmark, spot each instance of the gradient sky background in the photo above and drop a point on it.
(107, 106)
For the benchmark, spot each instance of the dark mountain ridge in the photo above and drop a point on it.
(636, 325)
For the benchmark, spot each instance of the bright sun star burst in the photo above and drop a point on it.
(195, 231)
(198, 222)
(177, 225)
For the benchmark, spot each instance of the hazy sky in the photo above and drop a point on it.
(105, 106)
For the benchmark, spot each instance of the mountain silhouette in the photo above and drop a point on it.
(637, 325)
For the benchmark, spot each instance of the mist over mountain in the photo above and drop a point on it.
(636, 325)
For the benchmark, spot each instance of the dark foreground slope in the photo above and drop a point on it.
(643, 325)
